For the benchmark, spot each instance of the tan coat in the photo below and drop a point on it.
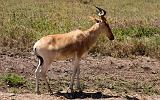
(64, 46)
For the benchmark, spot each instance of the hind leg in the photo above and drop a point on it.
(43, 71)
(37, 77)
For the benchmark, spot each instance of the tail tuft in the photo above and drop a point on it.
(38, 56)
(40, 60)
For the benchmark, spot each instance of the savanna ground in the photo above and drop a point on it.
(126, 68)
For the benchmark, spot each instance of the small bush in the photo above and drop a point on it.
(12, 80)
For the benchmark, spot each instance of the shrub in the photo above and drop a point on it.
(12, 80)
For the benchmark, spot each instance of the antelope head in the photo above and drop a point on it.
(103, 23)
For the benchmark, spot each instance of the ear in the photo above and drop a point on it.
(97, 20)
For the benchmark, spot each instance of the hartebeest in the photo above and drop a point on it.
(72, 45)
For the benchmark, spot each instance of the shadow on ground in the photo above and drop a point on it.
(83, 95)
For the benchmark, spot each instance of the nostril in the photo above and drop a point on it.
(112, 38)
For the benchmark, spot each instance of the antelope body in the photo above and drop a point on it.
(73, 45)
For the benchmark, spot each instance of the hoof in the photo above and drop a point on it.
(50, 91)
(80, 91)
(70, 90)
(38, 92)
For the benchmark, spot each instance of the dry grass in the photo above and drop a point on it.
(135, 24)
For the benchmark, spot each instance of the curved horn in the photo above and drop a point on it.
(102, 11)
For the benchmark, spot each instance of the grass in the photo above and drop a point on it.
(135, 40)
(12, 80)
(122, 86)
(134, 24)
(137, 87)
(15, 83)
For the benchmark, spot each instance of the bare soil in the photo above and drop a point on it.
(134, 78)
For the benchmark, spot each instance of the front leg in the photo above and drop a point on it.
(70, 89)
(78, 80)
(75, 69)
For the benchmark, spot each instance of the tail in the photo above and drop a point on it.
(38, 56)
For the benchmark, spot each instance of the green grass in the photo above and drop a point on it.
(13, 80)
(135, 24)
(15, 83)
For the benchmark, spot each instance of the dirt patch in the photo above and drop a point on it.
(113, 78)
